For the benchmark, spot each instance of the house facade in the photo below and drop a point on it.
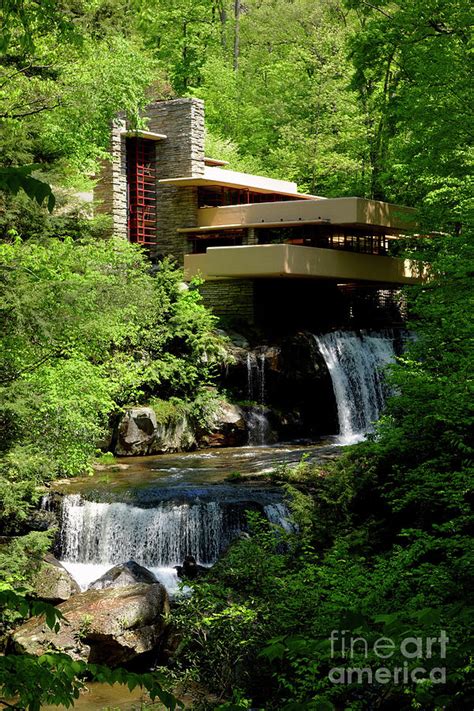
(257, 242)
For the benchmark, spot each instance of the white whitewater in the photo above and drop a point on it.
(258, 426)
(278, 514)
(96, 536)
(356, 364)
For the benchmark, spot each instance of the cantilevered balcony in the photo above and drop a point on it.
(347, 212)
(290, 261)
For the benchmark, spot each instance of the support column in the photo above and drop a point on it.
(250, 236)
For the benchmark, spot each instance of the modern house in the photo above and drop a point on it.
(257, 242)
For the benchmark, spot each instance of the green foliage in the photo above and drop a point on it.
(54, 678)
(411, 70)
(22, 556)
(309, 130)
(85, 330)
(13, 178)
(64, 76)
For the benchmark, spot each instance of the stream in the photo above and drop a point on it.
(157, 510)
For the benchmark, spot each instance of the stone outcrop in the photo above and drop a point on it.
(283, 388)
(122, 575)
(139, 433)
(111, 626)
(288, 379)
(53, 583)
(190, 570)
(229, 428)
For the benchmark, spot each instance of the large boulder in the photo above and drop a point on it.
(122, 575)
(111, 626)
(136, 431)
(53, 583)
(175, 436)
(229, 428)
(139, 433)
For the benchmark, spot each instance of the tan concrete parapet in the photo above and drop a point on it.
(148, 135)
(350, 211)
(291, 261)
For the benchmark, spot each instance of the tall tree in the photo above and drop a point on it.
(412, 71)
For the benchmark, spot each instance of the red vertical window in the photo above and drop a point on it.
(141, 186)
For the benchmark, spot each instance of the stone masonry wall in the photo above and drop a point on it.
(180, 154)
(232, 298)
(111, 189)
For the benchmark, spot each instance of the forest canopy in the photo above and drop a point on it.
(345, 97)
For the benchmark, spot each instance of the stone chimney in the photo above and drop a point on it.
(180, 154)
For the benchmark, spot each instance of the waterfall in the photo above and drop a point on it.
(258, 426)
(278, 514)
(96, 536)
(257, 422)
(256, 365)
(261, 379)
(355, 364)
(160, 536)
(249, 376)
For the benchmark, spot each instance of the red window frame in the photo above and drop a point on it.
(141, 190)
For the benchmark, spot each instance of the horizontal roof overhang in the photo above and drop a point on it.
(345, 212)
(149, 135)
(214, 162)
(218, 177)
(291, 261)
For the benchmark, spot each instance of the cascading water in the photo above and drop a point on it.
(278, 514)
(258, 426)
(257, 421)
(249, 376)
(96, 536)
(356, 363)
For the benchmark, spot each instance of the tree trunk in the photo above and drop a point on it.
(237, 9)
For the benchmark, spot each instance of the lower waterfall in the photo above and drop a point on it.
(355, 363)
(96, 536)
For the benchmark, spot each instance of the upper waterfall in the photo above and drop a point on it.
(257, 421)
(356, 363)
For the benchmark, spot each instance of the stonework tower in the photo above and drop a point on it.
(110, 193)
(177, 130)
(180, 154)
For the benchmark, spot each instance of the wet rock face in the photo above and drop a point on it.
(139, 433)
(229, 428)
(291, 379)
(53, 583)
(111, 626)
(190, 569)
(301, 388)
(122, 575)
